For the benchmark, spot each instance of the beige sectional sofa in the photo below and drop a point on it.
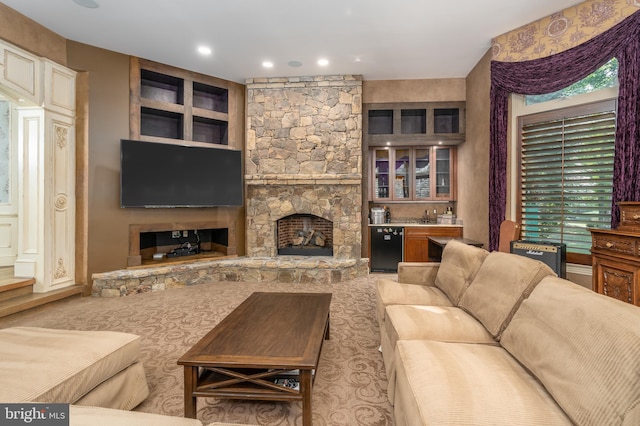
(497, 339)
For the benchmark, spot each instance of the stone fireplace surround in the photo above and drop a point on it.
(303, 155)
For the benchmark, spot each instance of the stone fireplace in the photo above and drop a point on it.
(304, 157)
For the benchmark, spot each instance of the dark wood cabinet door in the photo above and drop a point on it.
(616, 279)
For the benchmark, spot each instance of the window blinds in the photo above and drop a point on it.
(567, 173)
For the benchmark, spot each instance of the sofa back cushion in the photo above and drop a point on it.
(460, 264)
(502, 282)
(584, 348)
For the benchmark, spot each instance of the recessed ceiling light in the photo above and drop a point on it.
(323, 62)
(204, 50)
(91, 4)
(294, 64)
(267, 64)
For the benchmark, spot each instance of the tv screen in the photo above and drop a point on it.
(168, 175)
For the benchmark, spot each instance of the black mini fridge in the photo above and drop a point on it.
(387, 247)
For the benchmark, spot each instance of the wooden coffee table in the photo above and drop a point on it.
(267, 337)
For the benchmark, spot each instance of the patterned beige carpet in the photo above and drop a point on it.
(350, 386)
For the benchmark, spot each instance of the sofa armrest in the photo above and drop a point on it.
(423, 273)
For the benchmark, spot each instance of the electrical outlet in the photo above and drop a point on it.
(175, 234)
(185, 233)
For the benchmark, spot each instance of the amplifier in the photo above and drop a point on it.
(553, 254)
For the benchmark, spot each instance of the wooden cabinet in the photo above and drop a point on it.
(616, 264)
(416, 240)
(616, 256)
(173, 104)
(413, 174)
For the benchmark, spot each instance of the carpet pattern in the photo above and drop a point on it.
(350, 385)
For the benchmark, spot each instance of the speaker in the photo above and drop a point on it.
(552, 254)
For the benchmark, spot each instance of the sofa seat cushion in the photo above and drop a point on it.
(502, 283)
(584, 348)
(393, 293)
(47, 365)
(442, 323)
(418, 322)
(440, 383)
(459, 266)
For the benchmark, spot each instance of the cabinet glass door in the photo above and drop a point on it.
(443, 172)
(422, 171)
(381, 176)
(402, 174)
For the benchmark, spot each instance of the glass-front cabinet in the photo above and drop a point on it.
(425, 173)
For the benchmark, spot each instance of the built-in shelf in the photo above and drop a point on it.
(215, 239)
(380, 122)
(164, 124)
(413, 121)
(446, 120)
(210, 97)
(210, 131)
(161, 87)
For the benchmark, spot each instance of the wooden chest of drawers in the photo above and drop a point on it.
(616, 264)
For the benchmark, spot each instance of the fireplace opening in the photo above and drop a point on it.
(305, 235)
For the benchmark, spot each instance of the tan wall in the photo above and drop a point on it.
(108, 107)
(473, 155)
(425, 90)
(31, 36)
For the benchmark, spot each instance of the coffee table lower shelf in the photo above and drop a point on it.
(249, 383)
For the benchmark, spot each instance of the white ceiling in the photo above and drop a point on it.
(379, 39)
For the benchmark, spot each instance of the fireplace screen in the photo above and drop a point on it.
(305, 235)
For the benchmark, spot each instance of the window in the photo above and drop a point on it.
(603, 77)
(566, 174)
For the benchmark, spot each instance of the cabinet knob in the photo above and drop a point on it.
(609, 245)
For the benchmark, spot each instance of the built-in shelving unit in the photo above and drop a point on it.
(172, 104)
(414, 123)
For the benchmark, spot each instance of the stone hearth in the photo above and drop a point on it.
(288, 269)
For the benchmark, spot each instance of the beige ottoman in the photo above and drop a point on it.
(99, 368)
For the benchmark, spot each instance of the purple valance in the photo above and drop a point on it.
(558, 71)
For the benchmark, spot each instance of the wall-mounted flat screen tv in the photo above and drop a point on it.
(170, 175)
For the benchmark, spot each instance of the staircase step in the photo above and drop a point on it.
(33, 300)
(16, 287)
